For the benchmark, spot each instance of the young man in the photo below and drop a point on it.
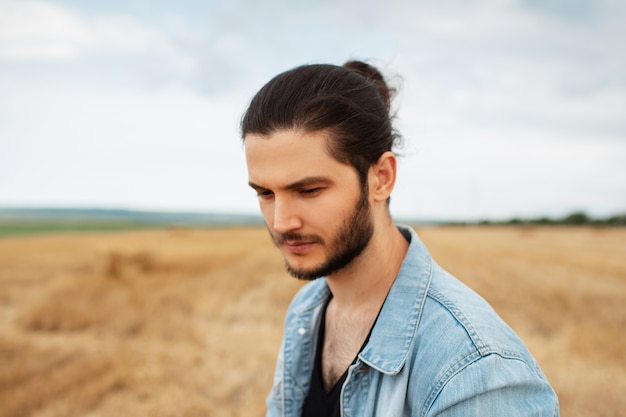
(381, 329)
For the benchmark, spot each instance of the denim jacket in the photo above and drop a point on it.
(437, 349)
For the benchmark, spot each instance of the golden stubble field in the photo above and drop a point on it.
(188, 322)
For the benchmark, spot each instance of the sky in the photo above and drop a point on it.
(507, 108)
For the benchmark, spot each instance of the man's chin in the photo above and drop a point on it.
(304, 274)
(318, 271)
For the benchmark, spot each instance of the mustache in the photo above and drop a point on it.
(291, 237)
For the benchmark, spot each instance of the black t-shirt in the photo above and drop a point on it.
(320, 403)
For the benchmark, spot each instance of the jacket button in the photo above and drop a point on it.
(301, 331)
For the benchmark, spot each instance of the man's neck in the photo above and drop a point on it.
(364, 283)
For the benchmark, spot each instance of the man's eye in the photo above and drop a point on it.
(265, 194)
(309, 192)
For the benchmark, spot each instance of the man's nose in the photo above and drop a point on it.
(286, 217)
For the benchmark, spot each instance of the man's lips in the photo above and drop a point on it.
(298, 247)
(295, 243)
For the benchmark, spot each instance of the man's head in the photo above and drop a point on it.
(318, 141)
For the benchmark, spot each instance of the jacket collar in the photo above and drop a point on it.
(399, 317)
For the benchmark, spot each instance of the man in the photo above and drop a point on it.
(381, 329)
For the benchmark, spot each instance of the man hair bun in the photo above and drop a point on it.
(371, 73)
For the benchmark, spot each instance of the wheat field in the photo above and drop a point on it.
(186, 322)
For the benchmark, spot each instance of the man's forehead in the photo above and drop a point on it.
(285, 157)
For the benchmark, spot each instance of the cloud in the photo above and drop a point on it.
(507, 66)
(40, 31)
(122, 48)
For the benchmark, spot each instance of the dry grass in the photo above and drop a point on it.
(188, 322)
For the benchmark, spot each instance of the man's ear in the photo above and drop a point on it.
(383, 176)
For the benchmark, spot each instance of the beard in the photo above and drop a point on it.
(349, 242)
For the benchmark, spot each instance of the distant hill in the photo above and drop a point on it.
(36, 220)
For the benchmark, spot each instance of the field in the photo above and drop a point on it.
(184, 322)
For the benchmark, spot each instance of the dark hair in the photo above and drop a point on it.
(352, 102)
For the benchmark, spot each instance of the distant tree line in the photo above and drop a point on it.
(573, 219)
(577, 218)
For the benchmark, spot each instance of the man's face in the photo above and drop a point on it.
(313, 205)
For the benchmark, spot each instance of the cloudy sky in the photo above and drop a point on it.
(507, 107)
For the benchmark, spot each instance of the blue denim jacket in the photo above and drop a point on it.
(437, 349)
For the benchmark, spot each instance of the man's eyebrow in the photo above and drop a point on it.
(304, 182)
(308, 181)
(256, 186)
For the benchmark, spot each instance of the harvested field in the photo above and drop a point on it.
(188, 322)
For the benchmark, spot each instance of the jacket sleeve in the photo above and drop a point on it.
(496, 386)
